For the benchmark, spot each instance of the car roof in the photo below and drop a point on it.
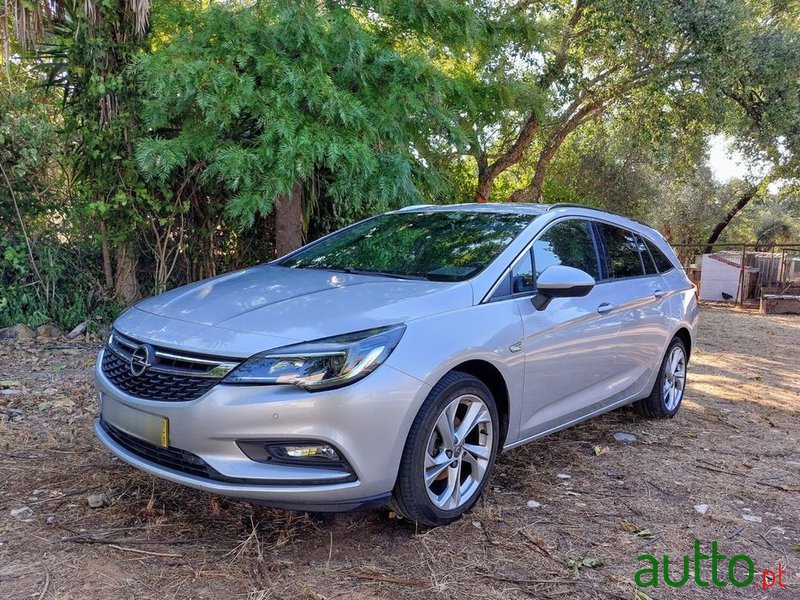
(535, 210)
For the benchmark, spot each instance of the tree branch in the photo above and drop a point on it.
(743, 200)
(533, 191)
(487, 173)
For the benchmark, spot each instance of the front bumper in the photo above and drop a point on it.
(367, 422)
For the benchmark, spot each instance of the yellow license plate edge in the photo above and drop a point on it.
(164, 432)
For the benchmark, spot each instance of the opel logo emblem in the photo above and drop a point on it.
(141, 358)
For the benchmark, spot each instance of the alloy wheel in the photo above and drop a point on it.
(674, 378)
(458, 452)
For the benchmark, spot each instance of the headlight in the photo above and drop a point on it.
(321, 364)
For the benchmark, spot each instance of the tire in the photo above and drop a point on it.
(438, 460)
(667, 394)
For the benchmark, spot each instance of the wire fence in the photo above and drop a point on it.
(742, 274)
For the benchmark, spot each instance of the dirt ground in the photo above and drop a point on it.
(733, 447)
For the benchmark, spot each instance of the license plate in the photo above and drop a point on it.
(147, 427)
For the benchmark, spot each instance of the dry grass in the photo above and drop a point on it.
(734, 446)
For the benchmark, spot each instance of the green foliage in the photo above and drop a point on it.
(69, 276)
(258, 98)
(169, 146)
(48, 271)
(86, 58)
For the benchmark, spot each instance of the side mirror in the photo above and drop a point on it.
(559, 281)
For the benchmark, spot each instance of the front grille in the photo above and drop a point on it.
(171, 377)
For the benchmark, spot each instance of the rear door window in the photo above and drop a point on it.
(622, 250)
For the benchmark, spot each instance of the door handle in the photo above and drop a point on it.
(605, 308)
(658, 293)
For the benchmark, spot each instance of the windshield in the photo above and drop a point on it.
(439, 245)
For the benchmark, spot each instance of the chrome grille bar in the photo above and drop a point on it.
(193, 366)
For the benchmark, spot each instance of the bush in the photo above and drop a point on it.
(65, 293)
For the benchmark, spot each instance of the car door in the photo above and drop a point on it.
(570, 346)
(639, 293)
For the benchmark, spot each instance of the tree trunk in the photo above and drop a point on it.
(108, 272)
(533, 191)
(485, 184)
(487, 173)
(740, 204)
(126, 286)
(289, 234)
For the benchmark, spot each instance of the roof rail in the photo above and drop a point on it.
(413, 207)
(576, 205)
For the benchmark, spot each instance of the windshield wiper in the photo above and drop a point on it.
(354, 271)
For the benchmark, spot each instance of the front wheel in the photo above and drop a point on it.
(667, 395)
(449, 453)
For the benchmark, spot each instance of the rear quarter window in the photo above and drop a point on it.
(663, 264)
(649, 264)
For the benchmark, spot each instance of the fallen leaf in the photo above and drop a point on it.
(585, 563)
(598, 450)
(592, 563)
(637, 529)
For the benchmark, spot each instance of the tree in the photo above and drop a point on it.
(286, 104)
(760, 100)
(591, 59)
(86, 47)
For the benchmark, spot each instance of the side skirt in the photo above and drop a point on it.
(575, 421)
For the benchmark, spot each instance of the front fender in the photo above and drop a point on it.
(433, 346)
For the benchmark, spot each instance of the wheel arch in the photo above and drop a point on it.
(686, 337)
(494, 380)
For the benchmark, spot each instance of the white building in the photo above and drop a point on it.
(720, 277)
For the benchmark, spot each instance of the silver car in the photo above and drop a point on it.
(391, 361)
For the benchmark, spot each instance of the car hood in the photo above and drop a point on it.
(268, 306)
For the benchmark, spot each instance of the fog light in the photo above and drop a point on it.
(298, 453)
(306, 451)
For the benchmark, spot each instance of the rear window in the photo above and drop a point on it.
(437, 245)
(663, 264)
(622, 248)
